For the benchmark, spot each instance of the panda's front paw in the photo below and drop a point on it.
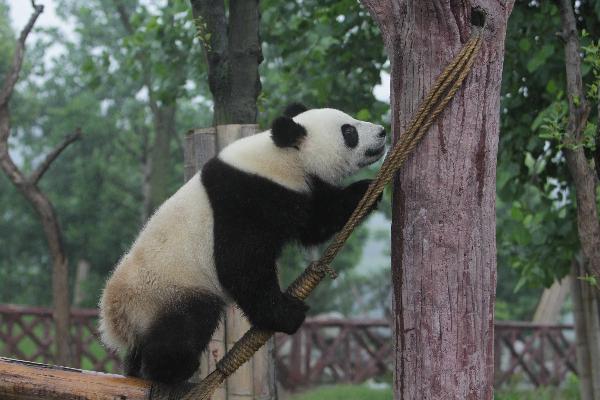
(358, 189)
(292, 312)
(281, 313)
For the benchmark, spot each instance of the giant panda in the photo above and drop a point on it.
(217, 239)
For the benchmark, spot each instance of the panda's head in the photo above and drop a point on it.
(330, 144)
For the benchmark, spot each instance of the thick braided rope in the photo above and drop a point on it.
(435, 102)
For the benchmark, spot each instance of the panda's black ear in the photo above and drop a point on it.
(294, 109)
(286, 132)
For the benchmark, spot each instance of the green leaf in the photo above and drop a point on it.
(540, 58)
(524, 44)
(551, 86)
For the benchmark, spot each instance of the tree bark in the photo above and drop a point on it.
(233, 54)
(583, 175)
(587, 333)
(584, 179)
(160, 156)
(27, 185)
(443, 222)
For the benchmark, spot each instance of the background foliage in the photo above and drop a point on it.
(122, 87)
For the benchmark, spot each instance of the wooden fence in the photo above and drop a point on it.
(542, 354)
(323, 350)
(27, 333)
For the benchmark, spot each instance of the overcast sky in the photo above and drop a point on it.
(20, 11)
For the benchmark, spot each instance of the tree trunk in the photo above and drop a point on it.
(157, 187)
(582, 173)
(60, 276)
(588, 226)
(587, 333)
(443, 222)
(233, 54)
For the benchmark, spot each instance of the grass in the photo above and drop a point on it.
(345, 392)
(570, 391)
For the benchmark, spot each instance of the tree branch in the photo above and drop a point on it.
(6, 162)
(13, 74)
(43, 167)
(39, 201)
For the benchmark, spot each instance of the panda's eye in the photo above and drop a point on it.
(350, 135)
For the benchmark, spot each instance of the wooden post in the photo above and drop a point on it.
(551, 302)
(255, 379)
(81, 276)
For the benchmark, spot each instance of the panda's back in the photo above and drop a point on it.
(172, 256)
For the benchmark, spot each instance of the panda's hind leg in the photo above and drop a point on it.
(169, 350)
(133, 362)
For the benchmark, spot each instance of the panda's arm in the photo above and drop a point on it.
(247, 271)
(330, 209)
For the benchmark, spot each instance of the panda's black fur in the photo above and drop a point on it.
(254, 217)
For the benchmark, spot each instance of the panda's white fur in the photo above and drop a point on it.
(258, 155)
(174, 253)
(323, 153)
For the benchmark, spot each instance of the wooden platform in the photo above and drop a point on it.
(23, 380)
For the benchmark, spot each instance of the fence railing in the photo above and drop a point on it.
(27, 333)
(334, 351)
(542, 354)
(322, 351)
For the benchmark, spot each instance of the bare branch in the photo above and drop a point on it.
(53, 155)
(39, 201)
(13, 74)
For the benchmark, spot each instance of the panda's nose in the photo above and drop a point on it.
(382, 132)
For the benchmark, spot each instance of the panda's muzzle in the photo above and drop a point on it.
(374, 152)
(372, 155)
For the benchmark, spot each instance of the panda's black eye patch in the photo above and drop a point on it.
(350, 135)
